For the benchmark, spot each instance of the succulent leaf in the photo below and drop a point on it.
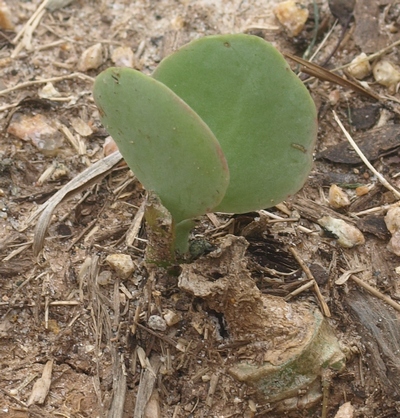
(166, 144)
(258, 109)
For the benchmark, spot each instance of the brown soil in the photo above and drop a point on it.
(68, 310)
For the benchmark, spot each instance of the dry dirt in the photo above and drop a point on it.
(66, 309)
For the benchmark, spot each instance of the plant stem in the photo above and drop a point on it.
(165, 236)
(181, 235)
(160, 236)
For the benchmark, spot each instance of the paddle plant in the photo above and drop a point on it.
(222, 125)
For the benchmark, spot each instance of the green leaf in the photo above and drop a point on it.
(166, 144)
(260, 112)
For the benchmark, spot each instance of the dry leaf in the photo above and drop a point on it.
(326, 75)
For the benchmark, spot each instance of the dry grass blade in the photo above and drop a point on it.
(326, 75)
(364, 158)
(15, 399)
(92, 174)
(346, 275)
(27, 31)
(119, 387)
(31, 19)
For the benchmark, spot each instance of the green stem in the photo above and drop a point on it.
(181, 235)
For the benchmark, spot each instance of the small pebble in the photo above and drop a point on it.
(153, 409)
(337, 197)
(386, 74)
(109, 146)
(61, 171)
(38, 130)
(123, 56)
(345, 411)
(91, 58)
(48, 92)
(122, 264)
(394, 243)
(157, 323)
(104, 278)
(292, 16)
(334, 97)
(363, 190)
(252, 406)
(392, 220)
(347, 235)
(360, 67)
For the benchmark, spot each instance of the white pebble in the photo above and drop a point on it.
(123, 56)
(157, 323)
(91, 58)
(348, 236)
(360, 67)
(392, 220)
(386, 74)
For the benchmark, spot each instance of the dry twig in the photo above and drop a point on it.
(45, 81)
(374, 291)
(307, 271)
(27, 31)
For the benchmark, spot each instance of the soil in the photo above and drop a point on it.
(66, 310)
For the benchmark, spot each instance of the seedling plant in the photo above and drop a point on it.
(222, 125)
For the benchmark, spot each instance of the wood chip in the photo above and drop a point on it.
(146, 386)
(42, 386)
(134, 229)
